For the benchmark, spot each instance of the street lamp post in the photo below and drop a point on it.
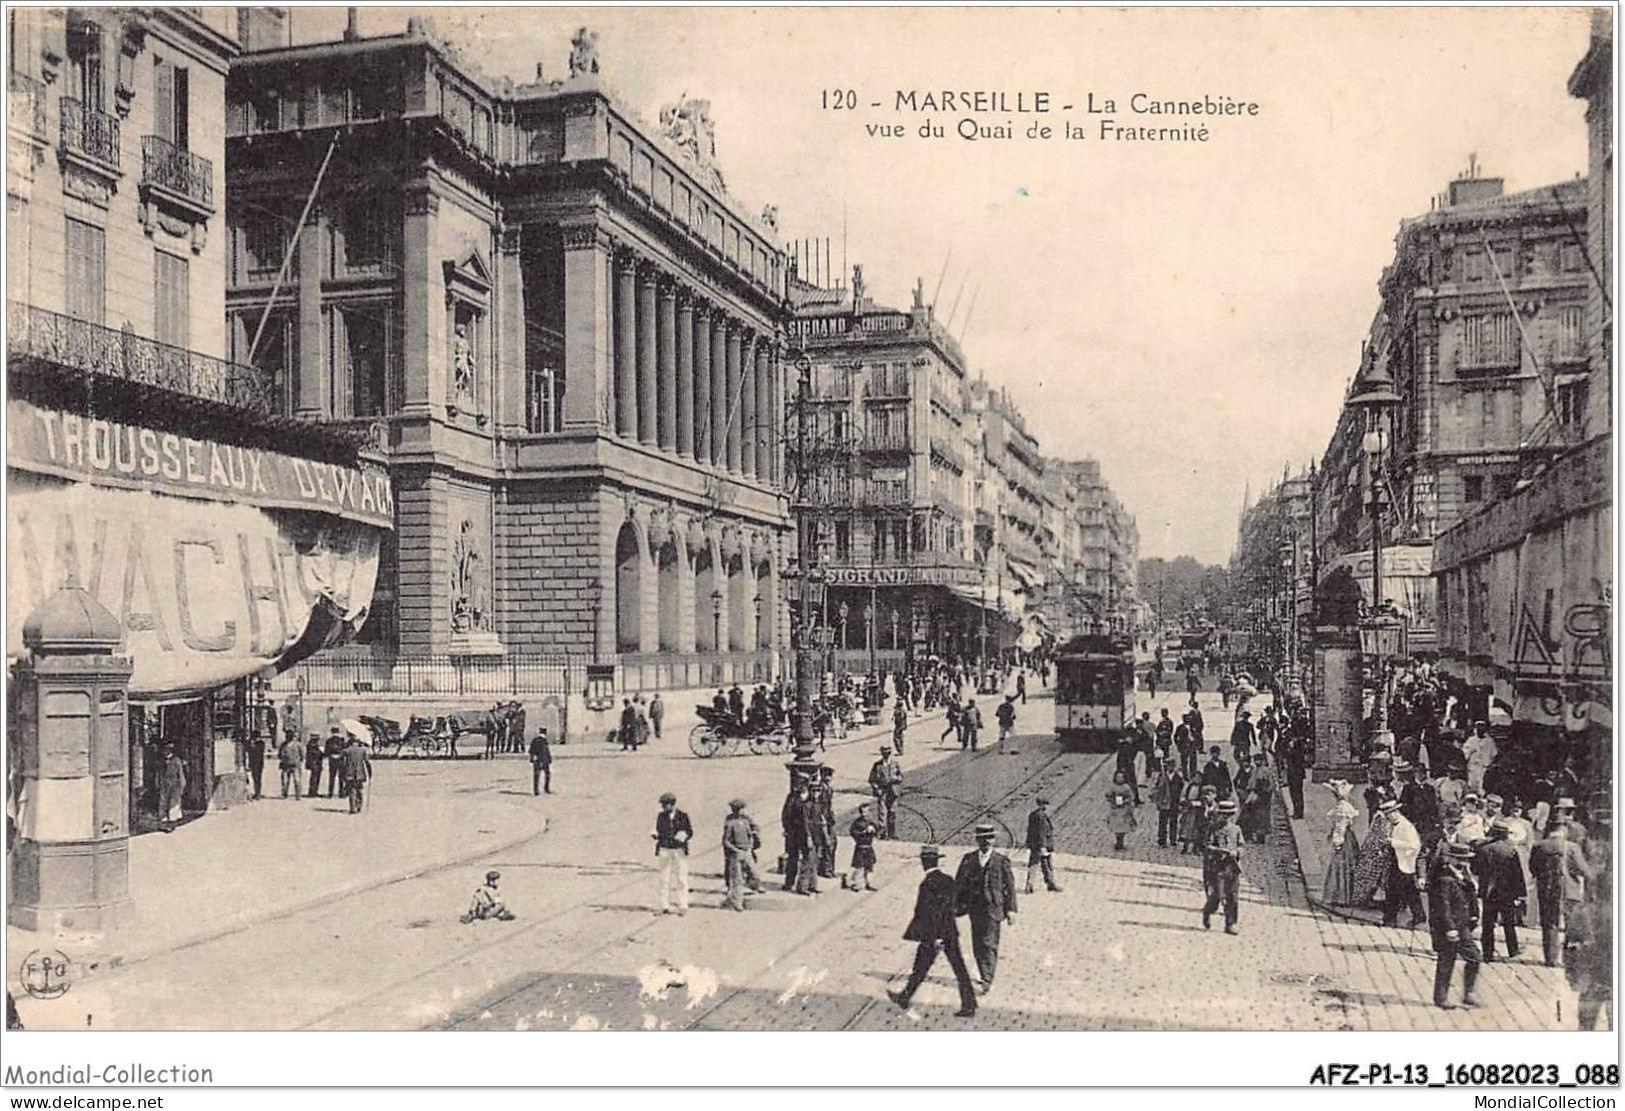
(1377, 399)
(716, 619)
(803, 763)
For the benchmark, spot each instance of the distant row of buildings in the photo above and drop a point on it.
(1492, 486)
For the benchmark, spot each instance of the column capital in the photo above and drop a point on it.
(422, 202)
(701, 307)
(626, 261)
(648, 273)
(509, 238)
(586, 237)
(670, 288)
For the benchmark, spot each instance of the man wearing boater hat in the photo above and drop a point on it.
(934, 927)
(1222, 859)
(987, 893)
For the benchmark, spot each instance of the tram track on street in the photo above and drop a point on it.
(980, 811)
(869, 1005)
(576, 959)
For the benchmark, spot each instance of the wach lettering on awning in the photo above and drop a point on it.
(207, 591)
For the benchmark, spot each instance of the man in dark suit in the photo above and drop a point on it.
(1040, 846)
(541, 763)
(986, 891)
(357, 770)
(934, 927)
(1501, 886)
(1455, 913)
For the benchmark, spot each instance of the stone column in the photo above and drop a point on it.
(315, 389)
(719, 388)
(421, 393)
(685, 376)
(589, 385)
(648, 395)
(747, 406)
(702, 382)
(666, 366)
(767, 410)
(511, 397)
(71, 864)
(626, 330)
(736, 340)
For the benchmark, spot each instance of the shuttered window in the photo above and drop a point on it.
(171, 107)
(86, 272)
(171, 301)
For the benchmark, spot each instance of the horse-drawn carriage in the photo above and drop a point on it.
(721, 732)
(436, 735)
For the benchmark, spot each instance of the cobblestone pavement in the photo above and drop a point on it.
(1121, 948)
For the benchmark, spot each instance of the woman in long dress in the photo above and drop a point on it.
(1371, 873)
(1343, 855)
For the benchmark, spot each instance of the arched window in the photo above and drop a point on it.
(628, 589)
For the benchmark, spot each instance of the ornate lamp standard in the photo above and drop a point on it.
(1381, 633)
(803, 763)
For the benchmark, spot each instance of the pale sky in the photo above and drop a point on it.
(1187, 313)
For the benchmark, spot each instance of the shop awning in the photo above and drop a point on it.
(1025, 573)
(219, 560)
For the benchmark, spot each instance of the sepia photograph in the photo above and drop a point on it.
(548, 520)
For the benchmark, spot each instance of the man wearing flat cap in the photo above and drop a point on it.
(1222, 855)
(1454, 897)
(986, 885)
(1502, 887)
(672, 833)
(740, 840)
(1041, 846)
(934, 927)
(885, 781)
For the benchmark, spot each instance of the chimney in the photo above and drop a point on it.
(352, 28)
(1472, 190)
(262, 28)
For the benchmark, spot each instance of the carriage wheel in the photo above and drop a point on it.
(759, 744)
(704, 741)
(778, 743)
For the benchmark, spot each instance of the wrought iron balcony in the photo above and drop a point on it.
(39, 335)
(90, 132)
(178, 171)
(26, 108)
(887, 440)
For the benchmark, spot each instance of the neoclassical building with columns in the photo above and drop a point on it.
(564, 330)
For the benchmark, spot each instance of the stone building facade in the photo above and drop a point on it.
(1483, 326)
(173, 532)
(892, 471)
(562, 327)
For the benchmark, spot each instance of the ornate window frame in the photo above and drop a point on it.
(469, 285)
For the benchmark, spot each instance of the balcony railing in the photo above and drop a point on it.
(887, 440)
(35, 333)
(884, 494)
(177, 170)
(90, 132)
(26, 108)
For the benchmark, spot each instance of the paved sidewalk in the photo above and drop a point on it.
(230, 869)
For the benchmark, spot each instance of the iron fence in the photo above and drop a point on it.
(89, 131)
(178, 170)
(93, 349)
(409, 675)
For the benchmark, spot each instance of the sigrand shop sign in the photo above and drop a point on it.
(903, 576)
